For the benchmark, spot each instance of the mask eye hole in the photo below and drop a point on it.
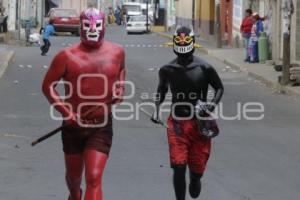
(86, 24)
(98, 25)
(188, 39)
(177, 39)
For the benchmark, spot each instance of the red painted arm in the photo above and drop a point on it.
(55, 74)
(120, 87)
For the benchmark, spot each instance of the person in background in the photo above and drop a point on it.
(3, 20)
(47, 31)
(118, 15)
(245, 29)
(111, 16)
(256, 29)
(124, 16)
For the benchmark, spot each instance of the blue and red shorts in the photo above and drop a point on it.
(187, 146)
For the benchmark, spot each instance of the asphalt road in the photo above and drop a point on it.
(251, 160)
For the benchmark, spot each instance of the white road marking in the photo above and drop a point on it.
(21, 66)
(233, 83)
(12, 135)
(45, 67)
(32, 94)
(29, 66)
(151, 69)
(145, 45)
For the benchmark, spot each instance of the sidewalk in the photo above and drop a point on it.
(6, 57)
(234, 57)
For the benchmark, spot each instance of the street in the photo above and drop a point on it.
(251, 159)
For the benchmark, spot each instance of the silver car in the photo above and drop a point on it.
(137, 24)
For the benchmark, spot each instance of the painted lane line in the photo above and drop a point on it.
(233, 83)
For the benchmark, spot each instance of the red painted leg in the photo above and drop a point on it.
(94, 166)
(74, 168)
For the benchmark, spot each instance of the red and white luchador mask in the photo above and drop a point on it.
(92, 29)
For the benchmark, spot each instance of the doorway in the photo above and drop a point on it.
(226, 21)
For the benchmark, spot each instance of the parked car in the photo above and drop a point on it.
(65, 20)
(137, 24)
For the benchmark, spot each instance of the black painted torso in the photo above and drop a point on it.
(188, 83)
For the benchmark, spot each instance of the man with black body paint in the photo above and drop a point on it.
(189, 144)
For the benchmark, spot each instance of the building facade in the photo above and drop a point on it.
(198, 13)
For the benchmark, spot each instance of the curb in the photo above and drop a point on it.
(277, 87)
(6, 61)
(162, 34)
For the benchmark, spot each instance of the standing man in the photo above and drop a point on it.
(47, 31)
(246, 31)
(189, 136)
(93, 73)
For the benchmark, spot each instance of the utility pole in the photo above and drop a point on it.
(218, 24)
(43, 14)
(98, 4)
(19, 18)
(147, 16)
(167, 13)
(193, 14)
(287, 11)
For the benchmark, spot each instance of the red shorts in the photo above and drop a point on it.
(76, 140)
(187, 146)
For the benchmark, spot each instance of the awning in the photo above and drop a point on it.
(52, 3)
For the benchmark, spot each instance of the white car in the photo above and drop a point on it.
(132, 9)
(137, 24)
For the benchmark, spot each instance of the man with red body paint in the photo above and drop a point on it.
(93, 73)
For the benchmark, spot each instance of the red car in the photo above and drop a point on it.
(65, 20)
